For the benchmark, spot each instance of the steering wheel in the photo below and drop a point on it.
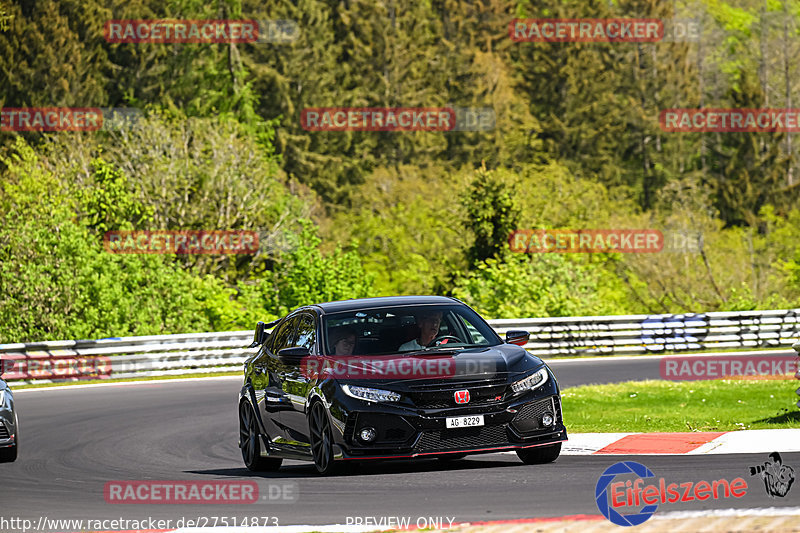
(441, 338)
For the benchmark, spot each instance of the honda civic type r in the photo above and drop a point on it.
(389, 378)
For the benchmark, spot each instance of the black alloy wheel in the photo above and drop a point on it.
(250, 443)
(9, 454)
(321, 439)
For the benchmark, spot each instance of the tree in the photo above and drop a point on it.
(193, 174)
(56, 282)
(492, 213)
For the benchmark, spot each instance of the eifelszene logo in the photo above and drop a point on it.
(608, 507)
(643, 499)
(778, 477)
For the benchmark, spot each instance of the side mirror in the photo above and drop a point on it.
(518, 337)
(260, 335)
(6, 366)
(294, 355)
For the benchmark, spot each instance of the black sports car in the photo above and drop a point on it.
(399, 377)
(9, 432)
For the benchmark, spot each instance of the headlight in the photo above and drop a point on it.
(2, 397)
(370, 395)
(533, 381)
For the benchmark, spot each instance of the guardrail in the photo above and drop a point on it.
(126, 357)
(161, 355)
(631, 334)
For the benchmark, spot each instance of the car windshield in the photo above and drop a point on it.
(406, 329)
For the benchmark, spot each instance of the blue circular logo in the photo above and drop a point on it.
(603, 500)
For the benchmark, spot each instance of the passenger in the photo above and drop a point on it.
(343, 340)
(428, 322)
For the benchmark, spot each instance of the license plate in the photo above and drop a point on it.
(464, 421)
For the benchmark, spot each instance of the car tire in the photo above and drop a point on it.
(250, 443)
(540, 454)
(319, 428)
(9, 455)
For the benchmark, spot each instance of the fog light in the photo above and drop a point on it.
(547, 419)
(368, 434)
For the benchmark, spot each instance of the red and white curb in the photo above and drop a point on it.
(697, 443)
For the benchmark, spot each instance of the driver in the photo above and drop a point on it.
(428, 322)
(343, 340)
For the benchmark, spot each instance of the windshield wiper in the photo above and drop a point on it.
(475, 346)
(432, 349)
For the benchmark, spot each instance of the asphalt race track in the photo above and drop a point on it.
(74, 441)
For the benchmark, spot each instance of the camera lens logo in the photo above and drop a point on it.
(604, 502)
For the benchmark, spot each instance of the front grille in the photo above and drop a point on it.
(442, 396)
(452, 384)
(529, 417)
(433, 404)
(4, 431)
(466, 438)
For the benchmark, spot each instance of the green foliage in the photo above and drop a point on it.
(5, 17)
(33, 48)
(56, 281)
(576, 144)
(543, 285)
(491, 213)
(303, 275)
(189, 173)
(403, 220)
(107, 203)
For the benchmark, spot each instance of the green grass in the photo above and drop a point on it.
(652, 406)
(20, 385)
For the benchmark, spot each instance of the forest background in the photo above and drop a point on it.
(218, 144)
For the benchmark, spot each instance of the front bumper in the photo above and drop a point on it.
(418, 433)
